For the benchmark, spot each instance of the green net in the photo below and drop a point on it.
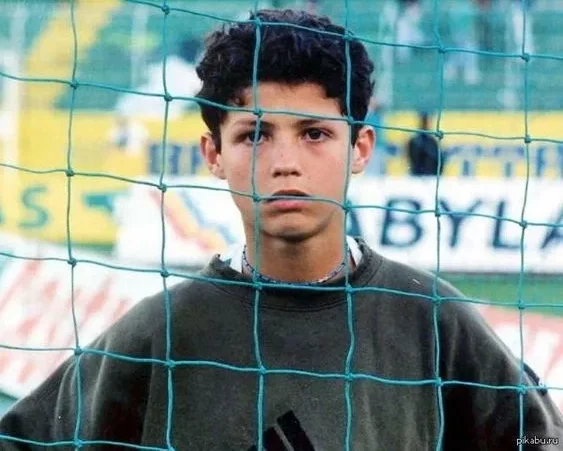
(435, 53)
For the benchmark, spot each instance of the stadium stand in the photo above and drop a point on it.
(37, 13)
(116, 42)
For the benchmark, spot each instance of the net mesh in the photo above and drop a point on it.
(74, 85)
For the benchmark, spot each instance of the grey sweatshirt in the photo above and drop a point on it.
(405, 390)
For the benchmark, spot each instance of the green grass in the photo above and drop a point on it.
(536, 289)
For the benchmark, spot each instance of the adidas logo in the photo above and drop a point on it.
(290, 433)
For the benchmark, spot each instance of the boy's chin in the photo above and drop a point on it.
(293, 232)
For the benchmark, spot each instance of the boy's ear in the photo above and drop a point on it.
(363, 149)
(212, 157)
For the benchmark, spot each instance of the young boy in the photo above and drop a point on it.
(383, 367)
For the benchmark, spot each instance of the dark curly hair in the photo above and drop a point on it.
(288, 55)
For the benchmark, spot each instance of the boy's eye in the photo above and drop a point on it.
(315, 134)
(255, 135)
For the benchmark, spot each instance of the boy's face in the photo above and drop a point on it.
(292, 153)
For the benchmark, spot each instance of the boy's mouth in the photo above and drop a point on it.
(280, 195)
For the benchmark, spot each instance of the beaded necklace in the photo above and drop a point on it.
(267, 279)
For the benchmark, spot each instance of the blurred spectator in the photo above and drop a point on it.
(189, 49)
(519, 10)
(484, 23)
(423, 151)
(312, 6)
(128, 135)
(409, 27)
(462, 25)
(181, 81)
(374, 118)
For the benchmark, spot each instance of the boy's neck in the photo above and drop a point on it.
(297, 262)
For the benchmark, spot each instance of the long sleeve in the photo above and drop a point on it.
(489, 418)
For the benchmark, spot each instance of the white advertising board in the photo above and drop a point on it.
(36, 306)
(479, 227)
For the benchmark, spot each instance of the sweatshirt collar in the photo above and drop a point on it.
(285, 297)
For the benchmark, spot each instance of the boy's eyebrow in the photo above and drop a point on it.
(304, 123)
(251, 122)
